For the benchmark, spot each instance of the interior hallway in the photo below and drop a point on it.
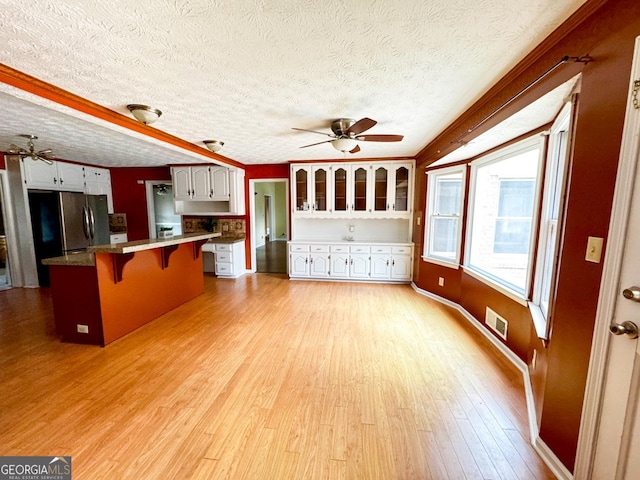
(266, 378)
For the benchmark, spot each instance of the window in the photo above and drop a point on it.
(549, 219)
(444, 209)
(515, 208)
(503, 196)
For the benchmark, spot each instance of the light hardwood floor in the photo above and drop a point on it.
(266, 378)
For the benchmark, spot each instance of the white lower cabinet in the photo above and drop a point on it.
(348, 261)
(228, 259)
(319, 261)
(339, 260)
(401, 264)
(359, 262)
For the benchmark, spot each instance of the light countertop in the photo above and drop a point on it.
(80, 259)
(87, 259)
(151, 243)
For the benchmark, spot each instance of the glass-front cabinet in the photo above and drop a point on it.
(300, 182)
(340, 183)
(357, 189)
(311, 190)
(320, 192)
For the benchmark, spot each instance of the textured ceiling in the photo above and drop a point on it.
(246, 71)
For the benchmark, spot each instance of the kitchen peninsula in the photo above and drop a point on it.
(110, 290)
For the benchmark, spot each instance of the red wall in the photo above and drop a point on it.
(130, 197)
(559, 376)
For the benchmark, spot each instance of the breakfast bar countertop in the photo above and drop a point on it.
(150, 243)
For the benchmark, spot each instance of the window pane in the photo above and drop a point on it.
(512, 236)
(445, 237)
(448, 193)
(503, 202)
(444, 210)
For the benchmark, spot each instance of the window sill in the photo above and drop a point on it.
(539, 322)
(442, 263)
(513, 295)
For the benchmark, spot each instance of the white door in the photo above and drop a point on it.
(610, 430)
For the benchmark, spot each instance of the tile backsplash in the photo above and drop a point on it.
(227, 227)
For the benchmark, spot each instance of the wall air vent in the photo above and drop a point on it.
(496, 323)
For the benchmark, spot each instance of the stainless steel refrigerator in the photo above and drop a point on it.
(65, 222)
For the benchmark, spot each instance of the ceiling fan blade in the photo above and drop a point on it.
(15, 150)
(45, 152)
(380, 138)
(43, 159)
(319, 143)
(355, 149)
(360, 126)
(312, 131)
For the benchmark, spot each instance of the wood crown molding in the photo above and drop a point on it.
(27, 83)
(529, 68)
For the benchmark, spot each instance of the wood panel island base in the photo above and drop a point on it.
(111, 290)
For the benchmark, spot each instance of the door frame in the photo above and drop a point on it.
(13, 258)
(252, 212)
(269, 215)
(151, 212)
(609, 288)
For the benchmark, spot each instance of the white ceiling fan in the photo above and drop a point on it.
(42, 155)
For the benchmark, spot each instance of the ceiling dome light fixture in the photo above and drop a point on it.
(144, 114)
(213, 145)
(344, 144)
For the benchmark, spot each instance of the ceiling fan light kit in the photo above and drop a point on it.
(344, 144)
(213, 145)
(347, 134)
(144, 113)
(43, 155)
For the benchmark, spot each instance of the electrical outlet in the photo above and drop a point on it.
(82, 328)
(441, 281)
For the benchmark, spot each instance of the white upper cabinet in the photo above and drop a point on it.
(219, 183)
(55, 176)
(97, 181)
(311, 186)
(352, 190)
(206, 189)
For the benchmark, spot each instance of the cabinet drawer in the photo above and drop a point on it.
(298, 248)
(209, 247)
(358, 249)
(319, 248)
(222, 257)
(401, 250)
(224, 269)
(223, 247)
(381, 249)
(339, 248)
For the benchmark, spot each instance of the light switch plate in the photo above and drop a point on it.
(594, 249)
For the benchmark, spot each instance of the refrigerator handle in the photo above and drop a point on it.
(85, 221)
(92, 223)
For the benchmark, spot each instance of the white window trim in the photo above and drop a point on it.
(431, 176)
(536, 141)
(562, 123)
(500, 287)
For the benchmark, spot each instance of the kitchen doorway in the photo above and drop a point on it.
(269, 225)
(5, 275)
(160, 208)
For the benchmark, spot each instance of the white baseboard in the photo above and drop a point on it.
(541, 448)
